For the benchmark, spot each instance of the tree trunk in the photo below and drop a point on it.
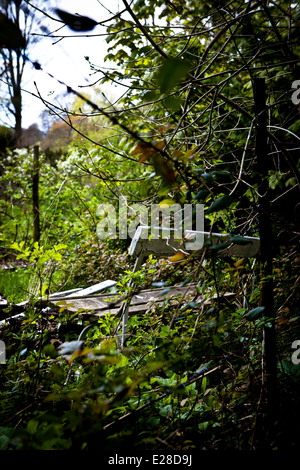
(265, 228)
(18, 120)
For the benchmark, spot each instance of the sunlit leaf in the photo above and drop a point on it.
(239, 262)
(178, 257)
(166, 203)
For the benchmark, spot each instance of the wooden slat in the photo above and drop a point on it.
(98, 306)
(101, 286)
(100, 303)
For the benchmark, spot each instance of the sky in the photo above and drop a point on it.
(65, 59)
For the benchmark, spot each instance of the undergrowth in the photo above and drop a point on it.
(189, 377)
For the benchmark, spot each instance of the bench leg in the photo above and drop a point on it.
(125, 306)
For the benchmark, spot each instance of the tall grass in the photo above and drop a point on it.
(14, 284)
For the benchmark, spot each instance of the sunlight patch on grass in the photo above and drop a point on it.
(14, 284)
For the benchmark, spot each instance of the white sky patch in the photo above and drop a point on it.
(65, 58)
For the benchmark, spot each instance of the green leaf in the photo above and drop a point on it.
(254, 313)
(166, 410)
(166, 203)
(221, 246)
(32, 426)
(191, 305)
(150, 95)
(123, 362)
(172, 72)
(295, 127)
(172, 103)
(239, 240)
(6, 434)
(205, 367)
(201, 195)
(290, 369)
(203, 426)
(219, 204)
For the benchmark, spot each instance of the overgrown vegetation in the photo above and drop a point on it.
(195, 373)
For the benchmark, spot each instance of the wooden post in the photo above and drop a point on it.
(265, 229)
(35, 195)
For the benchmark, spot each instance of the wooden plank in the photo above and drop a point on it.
(100, 303)
(93, 289)
(64, 293)
(143, 307)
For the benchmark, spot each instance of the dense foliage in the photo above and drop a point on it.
(194, 373)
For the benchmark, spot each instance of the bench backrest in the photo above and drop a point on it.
(214, 243)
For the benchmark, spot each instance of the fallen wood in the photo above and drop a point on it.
(64, 293)
(89, 303)
(73, 294)
(101, 286)
(101, 305)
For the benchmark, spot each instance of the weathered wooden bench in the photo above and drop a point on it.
(212, 244)
(95, 302)
(141, 247)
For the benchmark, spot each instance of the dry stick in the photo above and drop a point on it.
(113, 119)
(269, 134)
(243, 160)
(16, 414)
(287, 13)
(144, 31)
(50, 107)
(109, 116)
(286, 50)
